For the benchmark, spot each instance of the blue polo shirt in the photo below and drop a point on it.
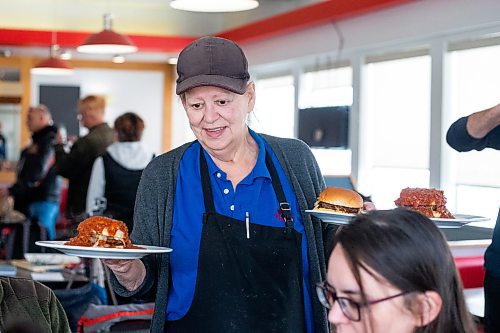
(254, 194)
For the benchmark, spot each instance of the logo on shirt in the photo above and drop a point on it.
(278, 215)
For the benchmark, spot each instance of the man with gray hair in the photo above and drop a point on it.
(38, 188)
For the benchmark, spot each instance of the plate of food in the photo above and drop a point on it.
(138, 251)
(102, 237)
(432, 203)
(337, 205)
(458, 221)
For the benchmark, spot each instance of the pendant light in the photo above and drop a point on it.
(53, 65)
(107, 41)
(214, 6)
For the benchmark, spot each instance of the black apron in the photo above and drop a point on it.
(246, 284)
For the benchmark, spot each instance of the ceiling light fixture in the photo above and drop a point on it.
(118, 59)
(214, 6)
(52, 65)
(107, 41)
(66, 55)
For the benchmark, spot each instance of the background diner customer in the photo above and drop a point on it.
(3, 145)
(37, 189)
(116, 174)
(478, 131)
(242, 262)
(76, 165)
(392, 272)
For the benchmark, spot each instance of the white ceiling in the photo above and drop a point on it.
(139, 17)
(142, 17)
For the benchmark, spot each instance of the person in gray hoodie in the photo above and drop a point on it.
(116, 174)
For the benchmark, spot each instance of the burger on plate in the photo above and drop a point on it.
(428, 201)
(339, 200)
(99, 231)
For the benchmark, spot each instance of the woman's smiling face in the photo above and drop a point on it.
(217, 116)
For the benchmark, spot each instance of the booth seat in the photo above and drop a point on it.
(62, 222)
(471, 271)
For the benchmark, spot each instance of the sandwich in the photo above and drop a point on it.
(339, 200)
(99, 231)
(427, 201)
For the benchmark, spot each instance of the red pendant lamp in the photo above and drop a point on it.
(107, 41)
(53, 65)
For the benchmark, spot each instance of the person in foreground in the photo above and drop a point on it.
(392, 271)
(29, 306)
(231, 206)
(478, 131)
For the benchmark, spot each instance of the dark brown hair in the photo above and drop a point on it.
(409, 251)
(129, 127)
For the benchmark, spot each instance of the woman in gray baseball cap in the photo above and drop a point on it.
(231, 205)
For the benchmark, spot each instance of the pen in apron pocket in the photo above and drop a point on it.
(247, 223)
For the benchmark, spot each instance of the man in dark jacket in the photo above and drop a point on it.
(38, 188)
(478, 131)
(76, 165)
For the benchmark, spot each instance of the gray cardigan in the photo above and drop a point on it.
(154, 211)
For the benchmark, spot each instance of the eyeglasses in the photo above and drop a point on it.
(351, 309)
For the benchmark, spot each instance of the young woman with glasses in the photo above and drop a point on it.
(392, 271)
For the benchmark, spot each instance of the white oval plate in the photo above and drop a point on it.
(104, 253)
(331, 217)
(340, 218)
(459, 221)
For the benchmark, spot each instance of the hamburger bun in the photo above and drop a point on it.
(339, 199)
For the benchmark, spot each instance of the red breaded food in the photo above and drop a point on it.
(428, 201)
(99, 231)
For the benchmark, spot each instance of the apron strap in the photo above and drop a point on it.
(285, 211)
(205, 182)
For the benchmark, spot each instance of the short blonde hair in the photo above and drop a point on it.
(94, 103)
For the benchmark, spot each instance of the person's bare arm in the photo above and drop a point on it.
(479, 124)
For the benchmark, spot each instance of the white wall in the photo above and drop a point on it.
(419, 20)
(124, 90)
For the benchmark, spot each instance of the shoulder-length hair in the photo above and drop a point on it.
(409, 251)
(129, 127)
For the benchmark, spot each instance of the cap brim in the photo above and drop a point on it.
(237, 86)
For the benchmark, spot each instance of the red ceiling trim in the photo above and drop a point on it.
(305, 17)
(301, 18)
(71, 39)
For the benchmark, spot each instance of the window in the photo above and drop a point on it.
(330, 87)
(475, 78)
(274, 112)
(396, 117)
(324, 88)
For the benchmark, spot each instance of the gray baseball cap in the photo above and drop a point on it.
(212, 61)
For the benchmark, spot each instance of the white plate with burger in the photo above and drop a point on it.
(137, 252)
(337, 205)
(331, 217)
